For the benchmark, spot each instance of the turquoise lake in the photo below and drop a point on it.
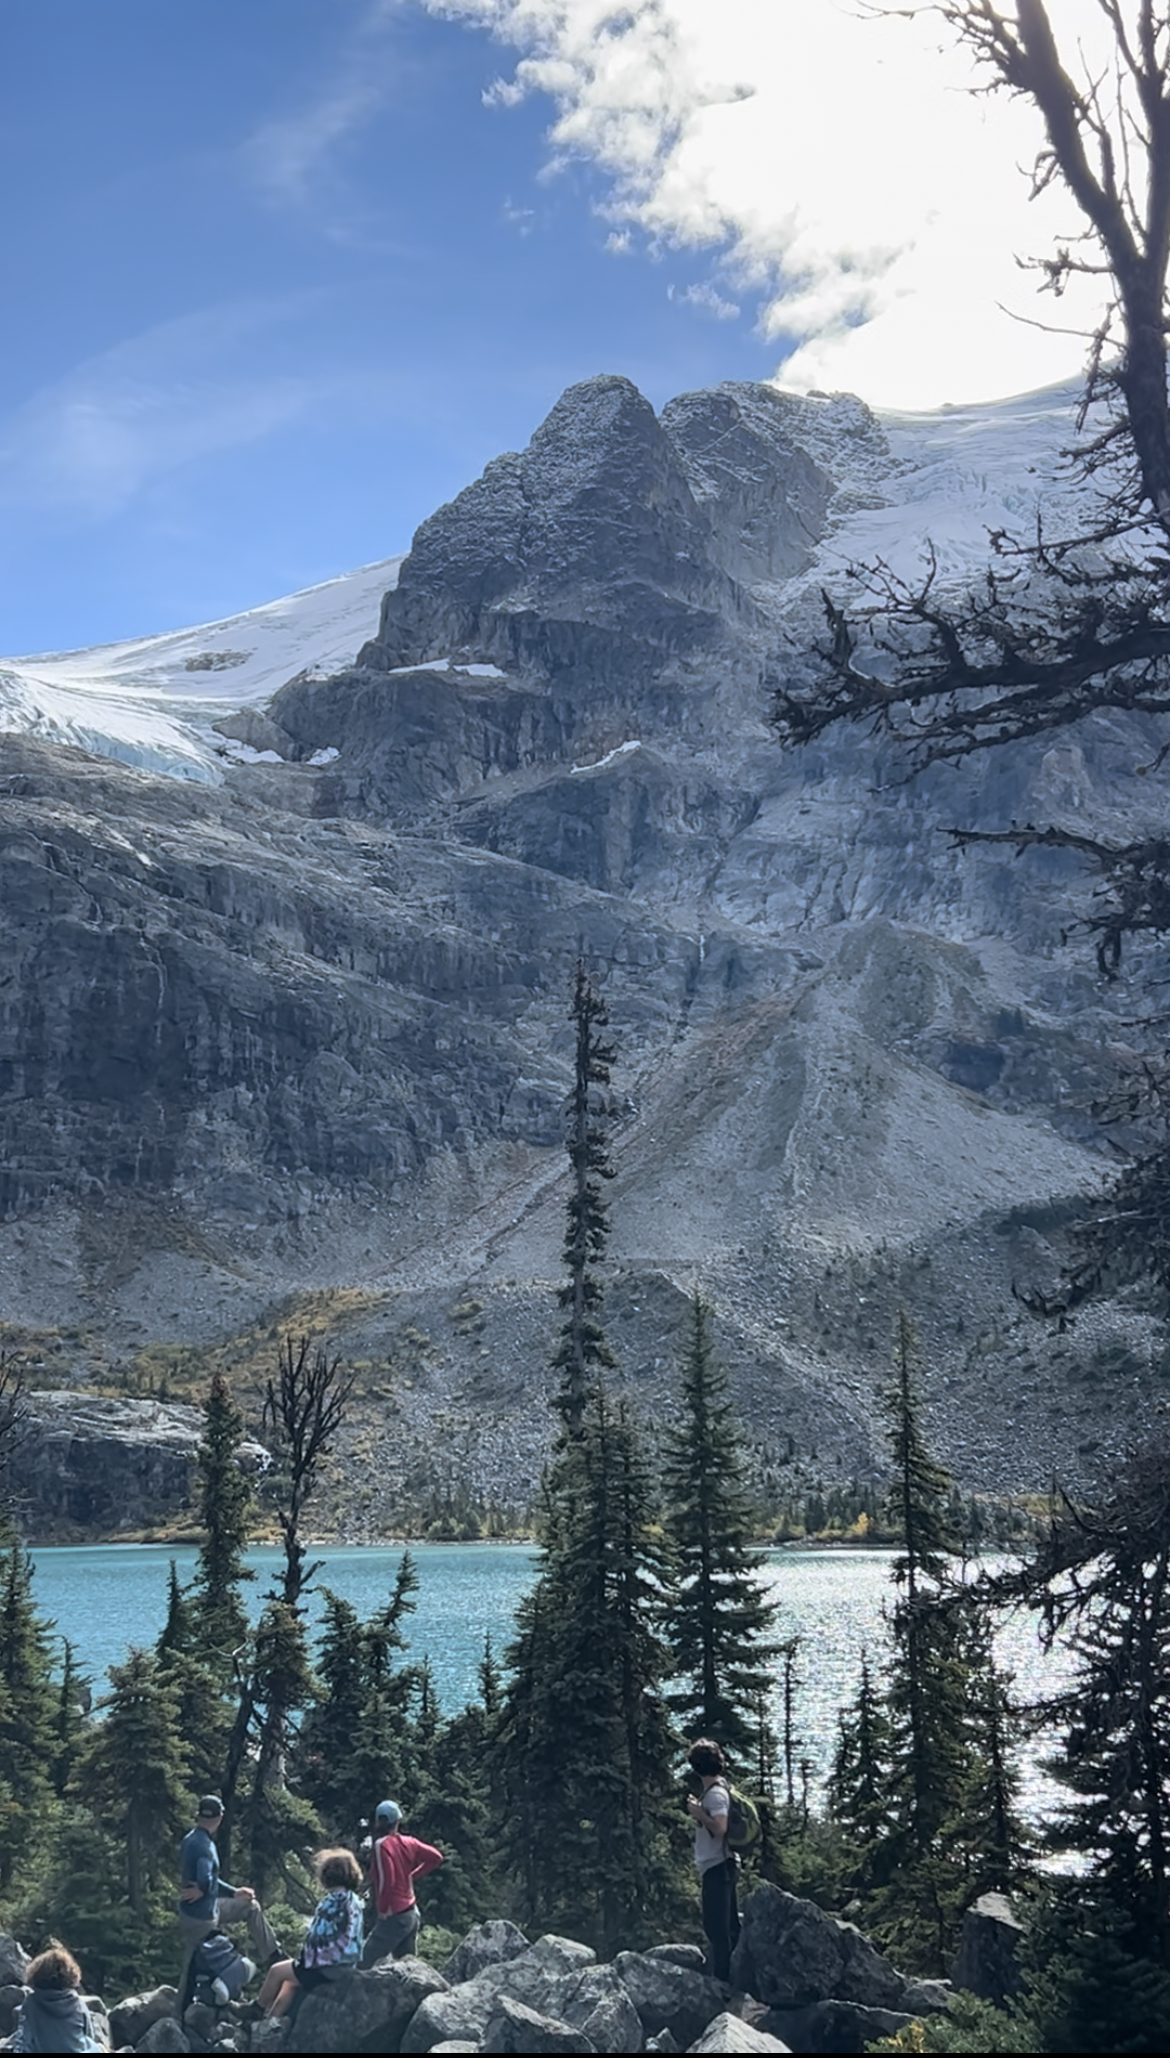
(105, 1598)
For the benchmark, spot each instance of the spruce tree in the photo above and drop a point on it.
(358, 1742)
(132, 1773)
(718, 1620)
(938, 1791)
(226, 1512)
(29, 1714)
(1101, 1580)
(583, 1352)
(586, 1740)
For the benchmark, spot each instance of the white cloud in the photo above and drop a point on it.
(90, 444)
(706, 297)
(836, 162)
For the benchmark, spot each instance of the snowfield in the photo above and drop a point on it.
(949, 477)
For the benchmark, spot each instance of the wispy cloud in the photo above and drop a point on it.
(293, 158)
(706, 297)
(84, 448)
(835, 160)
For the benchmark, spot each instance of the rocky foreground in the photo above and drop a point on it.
(802, 1981)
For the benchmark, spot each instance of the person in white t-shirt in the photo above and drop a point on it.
(714, 1863)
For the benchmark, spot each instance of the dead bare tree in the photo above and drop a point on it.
(1061, 627)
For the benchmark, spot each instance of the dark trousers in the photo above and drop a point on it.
(720, 1915)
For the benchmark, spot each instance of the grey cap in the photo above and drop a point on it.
(389, 1813)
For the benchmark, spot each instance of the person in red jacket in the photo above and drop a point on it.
(396, 1861)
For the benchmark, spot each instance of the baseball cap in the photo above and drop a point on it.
(210, 1805)
(388, 1812)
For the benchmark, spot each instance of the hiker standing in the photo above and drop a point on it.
(396, 1861)
(206, 1901)
(715, 1863)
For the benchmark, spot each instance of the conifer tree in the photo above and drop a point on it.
(132, 1772)
(859, 1783)
(29, 1713)
(1101, 1580)
(718, 1620)
(358, 1742)
(583, 1352)
(226, 1511)
(586, 1739)
(937, 1777)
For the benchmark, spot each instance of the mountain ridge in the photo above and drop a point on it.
(299, 1025)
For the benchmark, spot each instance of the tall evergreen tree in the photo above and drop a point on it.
(921, 1787)
(586, 1741)
(132, 1772)
(1101, 1580)
(718, 1619)
(359, 1741)
(226, 1498)
(583, 1352)
(29, 1713)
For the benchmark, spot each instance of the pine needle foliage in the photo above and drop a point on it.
(586, 1743)
(29, 1712)
(718, 1620)
(583, 1352)
(226, 1507)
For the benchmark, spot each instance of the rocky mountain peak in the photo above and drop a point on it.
(302, 1031)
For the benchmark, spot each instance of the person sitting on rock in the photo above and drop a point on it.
(715, 1864)
(207, 1902)
(334, 1939)
(396, 1861)
(54, 2017)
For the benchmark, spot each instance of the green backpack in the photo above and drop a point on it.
(744, 1828)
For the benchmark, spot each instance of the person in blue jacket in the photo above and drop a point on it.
(207, 1902)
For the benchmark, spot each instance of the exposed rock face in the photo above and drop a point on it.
(304, 1032)
(89, 1463)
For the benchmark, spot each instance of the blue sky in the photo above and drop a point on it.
(278, 283)
(281, 275)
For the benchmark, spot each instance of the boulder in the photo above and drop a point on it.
(490, 1943)
(270, 2035)
(987, 1960)
(669, 1996)
(164, 2034)
(790, 1954)
(130, 2019)
(544, 1978)
(689, 1955)
(513, 2027)
(613, 2023)
(662, 2042)
(99, 2018)
(11, 1996)
(455, 2044)
(731, 2033)
(833, 2025)
(368, 2011)
(14, 1960)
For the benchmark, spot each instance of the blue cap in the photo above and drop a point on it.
(389, 1813)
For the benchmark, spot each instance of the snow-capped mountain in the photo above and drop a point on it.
(283, 1038)
(153, 702)
(953, 475)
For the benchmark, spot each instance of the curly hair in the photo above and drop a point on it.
(54, 1971)
(338, 1869)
